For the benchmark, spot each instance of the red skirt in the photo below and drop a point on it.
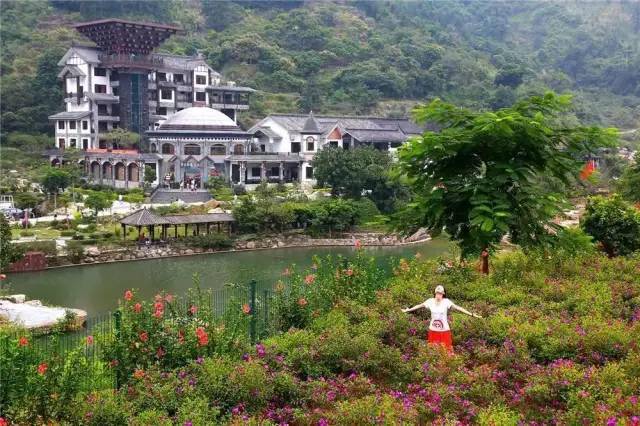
(444, 338)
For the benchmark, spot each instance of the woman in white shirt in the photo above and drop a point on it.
(439, 331)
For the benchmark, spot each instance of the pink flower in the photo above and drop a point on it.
(246, 308)
(144, 336)
(128, 295)
(160, 352)
(2, 278)
(193, 309)
(137, 308)
(302, 302)
(358, 244)
(286, 272)
(23, 341)
(310, 279)
(168, 298)
(89, 340)
(138, 374)
(348, 272)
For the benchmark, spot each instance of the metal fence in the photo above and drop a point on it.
(99, 376)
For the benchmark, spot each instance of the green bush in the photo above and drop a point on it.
(614, 223)
(78, 237)
(68, 233)
(46, 247)
(75, 251)
(26, 233)
(209, 241)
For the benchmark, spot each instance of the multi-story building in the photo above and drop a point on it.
(304, 135)
(121, 83)
(186, 115)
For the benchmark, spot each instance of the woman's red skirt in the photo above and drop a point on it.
(444, 338)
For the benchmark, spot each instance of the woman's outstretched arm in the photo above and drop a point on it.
(464, 311)
(421, 305)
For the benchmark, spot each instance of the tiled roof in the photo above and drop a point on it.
(311, 125)
(72, 115)
(71, 69)
(200, 218)
(144, 217)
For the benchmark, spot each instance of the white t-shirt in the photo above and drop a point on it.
(438, 313)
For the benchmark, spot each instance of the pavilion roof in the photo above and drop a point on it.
(144, 217)
(200, 218)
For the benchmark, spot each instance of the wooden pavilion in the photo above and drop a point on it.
(145, 218)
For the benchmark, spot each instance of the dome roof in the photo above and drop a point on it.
(199, 119)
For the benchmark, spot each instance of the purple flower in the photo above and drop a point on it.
(187, 423)
(612, 421)
(425, 367)
(412, 331)
(245, 357)
(279, 359)
(633, 399)
(323, 422)
(635, 421)
(331, 395)
(192, 382)
(199, 360)
(182, 374)
(260, 350)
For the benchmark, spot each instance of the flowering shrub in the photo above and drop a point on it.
(558, 345)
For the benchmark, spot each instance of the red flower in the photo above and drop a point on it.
(144, 336)
(588, 170)
(169, 298)
(2, 278)
(23, 341)
(348, 272)
(114, 363)
(3, 422)
(42, 368)
(138, 374)
(193, 309)
(160, 352)
(203, 338)
(89, 340)
(180, 336)
(302, 301)
(309, 279)
(137, 308)
(128, 295)
(358, 244)
(246, 308)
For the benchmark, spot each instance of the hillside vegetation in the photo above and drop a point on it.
(355, 57)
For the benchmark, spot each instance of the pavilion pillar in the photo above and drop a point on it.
(218, 227)
(139, 231)
(300, 172)
(100, 173)
(126, 176)
(243, 168)
(175, 231)
(197, 229)
(186, 229)
(151, 231)
(263, 171)
(124, 231)
(281, 171)
(113, 174)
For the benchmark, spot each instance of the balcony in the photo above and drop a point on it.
(152, 85)
(110, 118)
(74, 97)
(164, 83)
(131, 61)
(231, 105)
(184, 88)
(181, 104)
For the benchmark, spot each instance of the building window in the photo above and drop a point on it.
(100, 88)
(178, 78)
(85, 125)
(61, 143)
(200, 97)
(153, 147)
(309, 172)
(238, 150)
(295, 146)
(161, 76)
(100, 72)
(201, 79)
(72, 125)
(61, 125)
(102, 110)
(192, 149)
(255, 171)
(102, 126)
(333, 144)
(161, 110)
(263, 148)
(310, 145)
(218, 150)
(167, 148)
(166, 94)
(72, 143)
(114, 90)
(102, 144)
(275, 171)
(85, 144)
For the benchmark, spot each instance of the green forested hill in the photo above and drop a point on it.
(355, 57)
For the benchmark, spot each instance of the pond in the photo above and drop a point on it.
(96, 288)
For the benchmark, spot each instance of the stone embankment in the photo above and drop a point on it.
(95, 255)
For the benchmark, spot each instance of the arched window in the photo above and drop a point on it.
(218, 149)
(153, 147)
(168, 148)
(238, 149)
(192, 149)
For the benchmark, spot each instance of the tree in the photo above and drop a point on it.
(97, 201)
(351, 172)
(149, 175)
(55, 180)
(9, 252)
(614, 223)
(121, 138)
(629, 183)
(481, 176)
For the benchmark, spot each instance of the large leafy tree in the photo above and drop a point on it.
(614, 223)
(629, 184)
(54, 180)
(9, 252)
(97, 201)
(484, 174)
